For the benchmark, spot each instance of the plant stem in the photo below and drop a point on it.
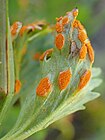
(5, 108)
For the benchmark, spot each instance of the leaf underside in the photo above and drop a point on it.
(39, 112)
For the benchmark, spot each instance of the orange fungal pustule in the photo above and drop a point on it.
(84, 79)
(14, 28)
(82, 36)
(58, 19)
(90, 51)
(65, 20)
(26, 28)
(59, 41)
(80, 26)
(44, 87)
(83, 52)
(29, 27)
(64, 79)
(75, 12)
(46, 53)
(17, 86)
(37, 56)
(59, 27)
(23, 29)
(77, 24)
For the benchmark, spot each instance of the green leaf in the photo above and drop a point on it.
(9, 67)
(3, 71)
(38, 112)
(10, 60)
(6, 50)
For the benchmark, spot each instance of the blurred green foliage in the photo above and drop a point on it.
(88, 124)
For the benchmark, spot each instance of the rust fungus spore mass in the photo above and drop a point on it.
(59, 41)
(77, 24)
(17, 86)
(46, 53)
(44, 87)
(90, 51)
(59, 27)
(64, 79)
(84, 79)
(82, 36)
(83, 52)
(65, 20)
